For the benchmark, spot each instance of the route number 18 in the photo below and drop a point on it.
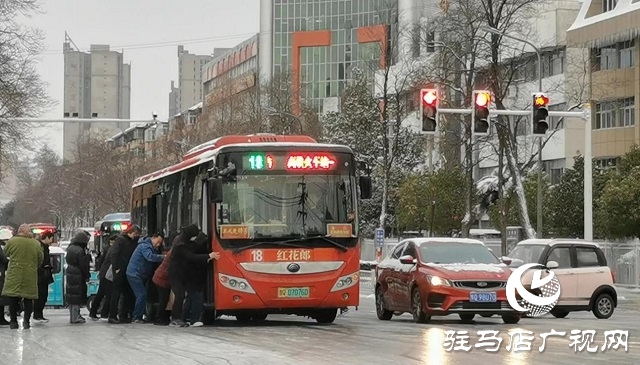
(256, 255)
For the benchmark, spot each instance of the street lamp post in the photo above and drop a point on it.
(539, 189)
(273, 111)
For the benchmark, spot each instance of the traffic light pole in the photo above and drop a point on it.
(585, 115)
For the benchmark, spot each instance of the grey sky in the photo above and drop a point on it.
(149, 32)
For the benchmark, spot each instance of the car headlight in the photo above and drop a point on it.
(438, 281)
(234, 283)
(346, 281)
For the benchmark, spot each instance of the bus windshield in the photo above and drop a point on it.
(279, 203)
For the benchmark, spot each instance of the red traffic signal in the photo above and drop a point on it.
(540, 100)
(429, 105)
(539, 114)
(429, 96)
(480, 116)
(483, 98)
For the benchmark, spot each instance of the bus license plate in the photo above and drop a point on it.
(490, 297)
(293, 292)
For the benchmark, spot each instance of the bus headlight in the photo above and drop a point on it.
(234, 283)
(345, 282)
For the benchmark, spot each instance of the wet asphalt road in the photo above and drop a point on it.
(358, 337)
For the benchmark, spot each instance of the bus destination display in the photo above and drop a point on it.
(297, 161)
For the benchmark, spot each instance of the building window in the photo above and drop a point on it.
(607, 163)
(608, 5)
(605, 115)
(627, 54)
(138, 134)
(627, 112)
(618, 55)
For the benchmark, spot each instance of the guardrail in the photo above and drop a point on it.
(367, 281)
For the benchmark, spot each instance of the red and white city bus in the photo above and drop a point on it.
(281, 210)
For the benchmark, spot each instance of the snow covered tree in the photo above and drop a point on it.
(566, 201)
(616, 210)
(358, 125)
(432, 201)
(22, 92)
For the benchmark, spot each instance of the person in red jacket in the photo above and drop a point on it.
(161, 279)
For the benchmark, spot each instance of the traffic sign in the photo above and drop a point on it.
(379, 237)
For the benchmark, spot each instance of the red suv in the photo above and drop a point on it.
(440, 276)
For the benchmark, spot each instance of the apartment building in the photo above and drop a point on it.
(97, 84)
(189, 90)
(610, 29)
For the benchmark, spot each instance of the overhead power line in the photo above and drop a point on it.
(165, 44)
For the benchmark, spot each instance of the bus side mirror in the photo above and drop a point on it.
(365, 187)
(215, 190)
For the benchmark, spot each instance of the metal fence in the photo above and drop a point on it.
(624, 260)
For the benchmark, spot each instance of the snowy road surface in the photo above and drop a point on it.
(355, 338)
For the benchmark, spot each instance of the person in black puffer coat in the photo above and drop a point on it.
(78, 274)
(184, 266)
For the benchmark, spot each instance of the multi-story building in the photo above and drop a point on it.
(139, 140)
(321, 41)
(174, 100)
(610, 29)
(97, 84)
(189, 92)
(230, 76)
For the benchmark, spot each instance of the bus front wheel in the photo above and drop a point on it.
(326, 315)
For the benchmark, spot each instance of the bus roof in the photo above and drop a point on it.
(207, 151)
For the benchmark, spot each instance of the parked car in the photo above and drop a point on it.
(586, 281)
(441, 276)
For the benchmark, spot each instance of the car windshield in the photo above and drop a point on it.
(285, 203)
(527, 253)
(456, 253)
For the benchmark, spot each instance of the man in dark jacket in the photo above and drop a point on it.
(104, 290)
(120, 254)
(182, 268)
(78, 274)
(45, 277)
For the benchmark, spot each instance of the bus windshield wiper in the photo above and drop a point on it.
(292, 243)
(287, 243)
(324, 238)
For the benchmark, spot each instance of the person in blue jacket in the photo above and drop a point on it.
(140, 270)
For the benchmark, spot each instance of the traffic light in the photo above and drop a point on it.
(540, 113)
(480, 116)
(429, 104)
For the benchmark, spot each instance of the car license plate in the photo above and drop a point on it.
(483, 297)
(293, 292)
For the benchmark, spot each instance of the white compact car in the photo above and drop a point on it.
(586, 282)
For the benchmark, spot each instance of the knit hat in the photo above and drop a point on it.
(190, 231)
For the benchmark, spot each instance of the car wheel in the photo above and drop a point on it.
(466, 317)
(510, 318)
(416, 302)
(325, 316)
(603, 306)
(558, 313)
(382, 313)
